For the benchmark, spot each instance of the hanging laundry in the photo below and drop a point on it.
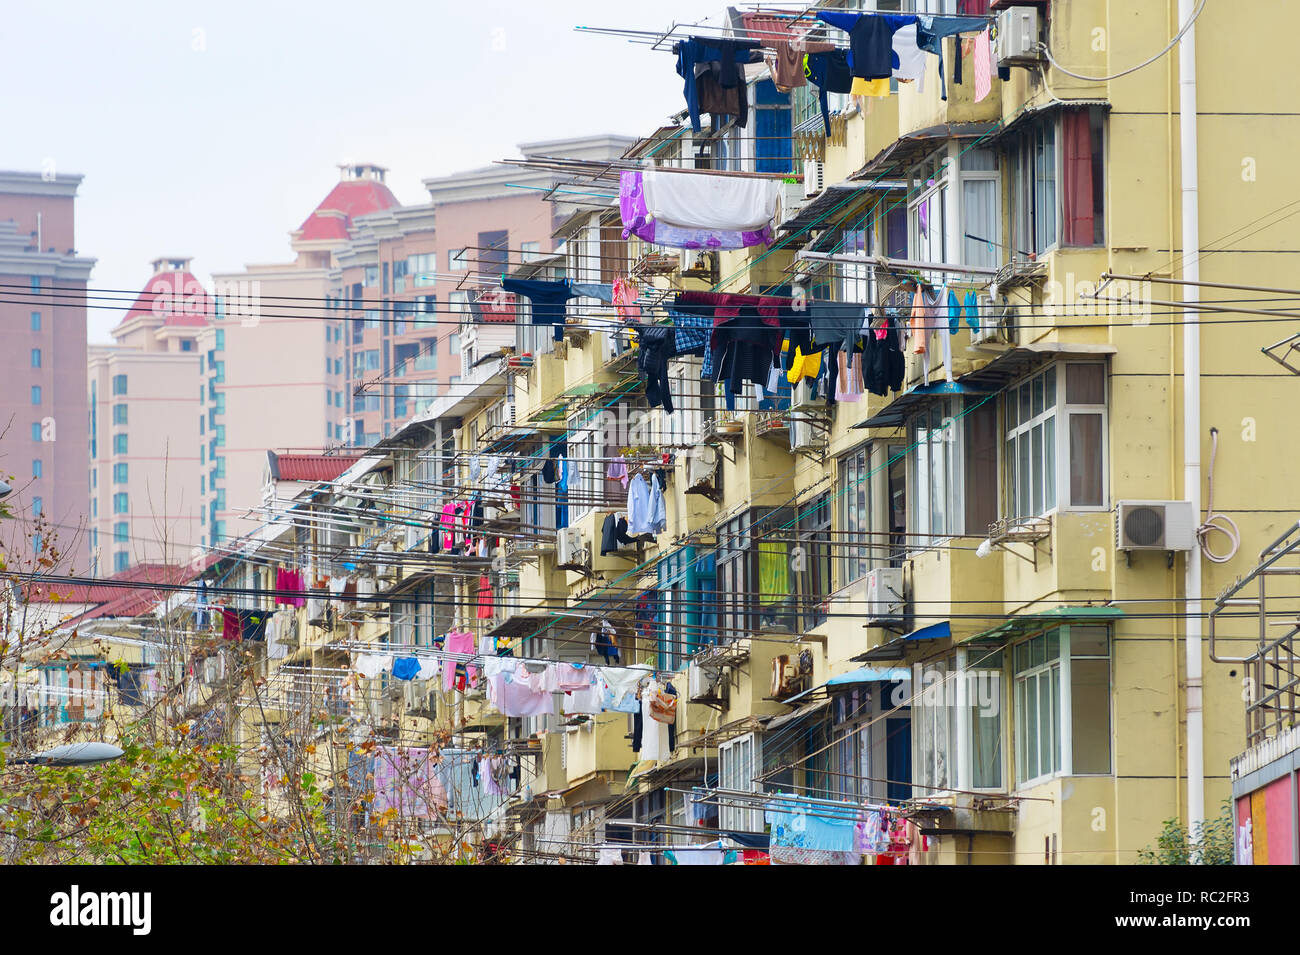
(513, 690)
(801, 824)
(291, 581)
(773, 572)
(930, 32)
(727, 75)
(983, 60)
(972, 311)
(717, 203)
(785, 63)
(870, 39)
(548, 300)
(617, 471)
(370, 665)
(657, 345)
(639, 220)
(613, 535)
(458, 642)
(406, 668)
(600, 291)
(626, 293)
(605, 642)
(692, 332)
(910, 60)
(404, 782)
(231, 628)
(920, 323)
(830, 73)
(484, 611)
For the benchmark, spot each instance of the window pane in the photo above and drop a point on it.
(1024, 487)
(1085, 384)
(1049, 463)
(1037, 407)
(1089, 642)
(1036, 457)
(1049, 384)
(1033, 731)
(1085, 460)
(1049, 705)
(1090, 715)
(1025, 413)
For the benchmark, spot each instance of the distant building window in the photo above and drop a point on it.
(119, 444)
(221, 402)
(221, 435)
(120, 532)
(121, 560)
(187, 345)
(37, 468)
(120, 473)
(220, 368)
(221, 498)
(119, 384)
(36, 394)
(36, 432)
(36, 283)
(456, 260)
(531, 250)
(94, 477)
(36, 321)
(36, 358)
(37, 506)
(121, 503)
(453, 344)
(221, 467)
(119, 414)
(221, 340)
(371, 277)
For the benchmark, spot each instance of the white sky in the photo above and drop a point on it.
(211, 129)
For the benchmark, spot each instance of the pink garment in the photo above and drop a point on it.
(572, 678)
(983, 66)
(848, 380)
(448, 526)
(920, 322)
(517, 693)
(404, 781)
(458, 641)
(625, 295)
(289, 580)
(618, 471)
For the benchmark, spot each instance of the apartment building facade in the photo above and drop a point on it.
(43, 393)
(145, 480)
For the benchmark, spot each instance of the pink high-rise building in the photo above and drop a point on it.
(145, 481)
(43, 410)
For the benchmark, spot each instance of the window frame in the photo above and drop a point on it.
(855, 536)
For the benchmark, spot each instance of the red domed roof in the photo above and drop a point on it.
(350, 198)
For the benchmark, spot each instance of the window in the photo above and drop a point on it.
(1056, 440)
(371, 278)
(453, 344)
(739, 763)
(221, 403)
(981, 208)
(119, 414)
(686, 617)
(927, 211)
(36, 321)
(855, 515)
(772, 147)
(120, 474)
(38, 468)
(1083, 170)
(120, 532)
(221, 340)
(954, 469)
(36, 394)
(456, 260)
(38, 506)
(36, 358)
(36, 432)
(219, 367)
(221, 467)
(187, 345)
(1073, 214)
(121, 560)
(221, 436)
(121, 503)
(811, 562)
(753, 572)
(119, 384)
(530, 251)
(119, 444)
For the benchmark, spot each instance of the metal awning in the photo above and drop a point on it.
(802, 713)
(1007, 367)
(896, 649)
(835, 203)
(894, 414)
(518, 625)
(908, 150)
(854, 677)
(1044, 619)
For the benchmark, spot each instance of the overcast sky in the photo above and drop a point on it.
(211, 129)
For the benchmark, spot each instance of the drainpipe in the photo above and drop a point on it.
(1191, 409)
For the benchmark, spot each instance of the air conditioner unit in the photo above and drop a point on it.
(701, 466)
(571, 550)
(1155, 525)
(706, 683)
(997, 329)
(802, 396)
(814, 177)
(803, 436)
(885, 602)
(1017, 39)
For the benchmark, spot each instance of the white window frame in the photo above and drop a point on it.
(994, 176)
(1062, 411)
(456, 261)
(932, 178)
(955, 469)
(851, 561)
(739, 762)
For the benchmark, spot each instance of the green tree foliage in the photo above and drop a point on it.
(1211, 840)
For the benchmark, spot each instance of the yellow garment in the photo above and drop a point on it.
(863, 87)
(773, 572)
(803, 366)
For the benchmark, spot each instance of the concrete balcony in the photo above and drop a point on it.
(923, 108)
